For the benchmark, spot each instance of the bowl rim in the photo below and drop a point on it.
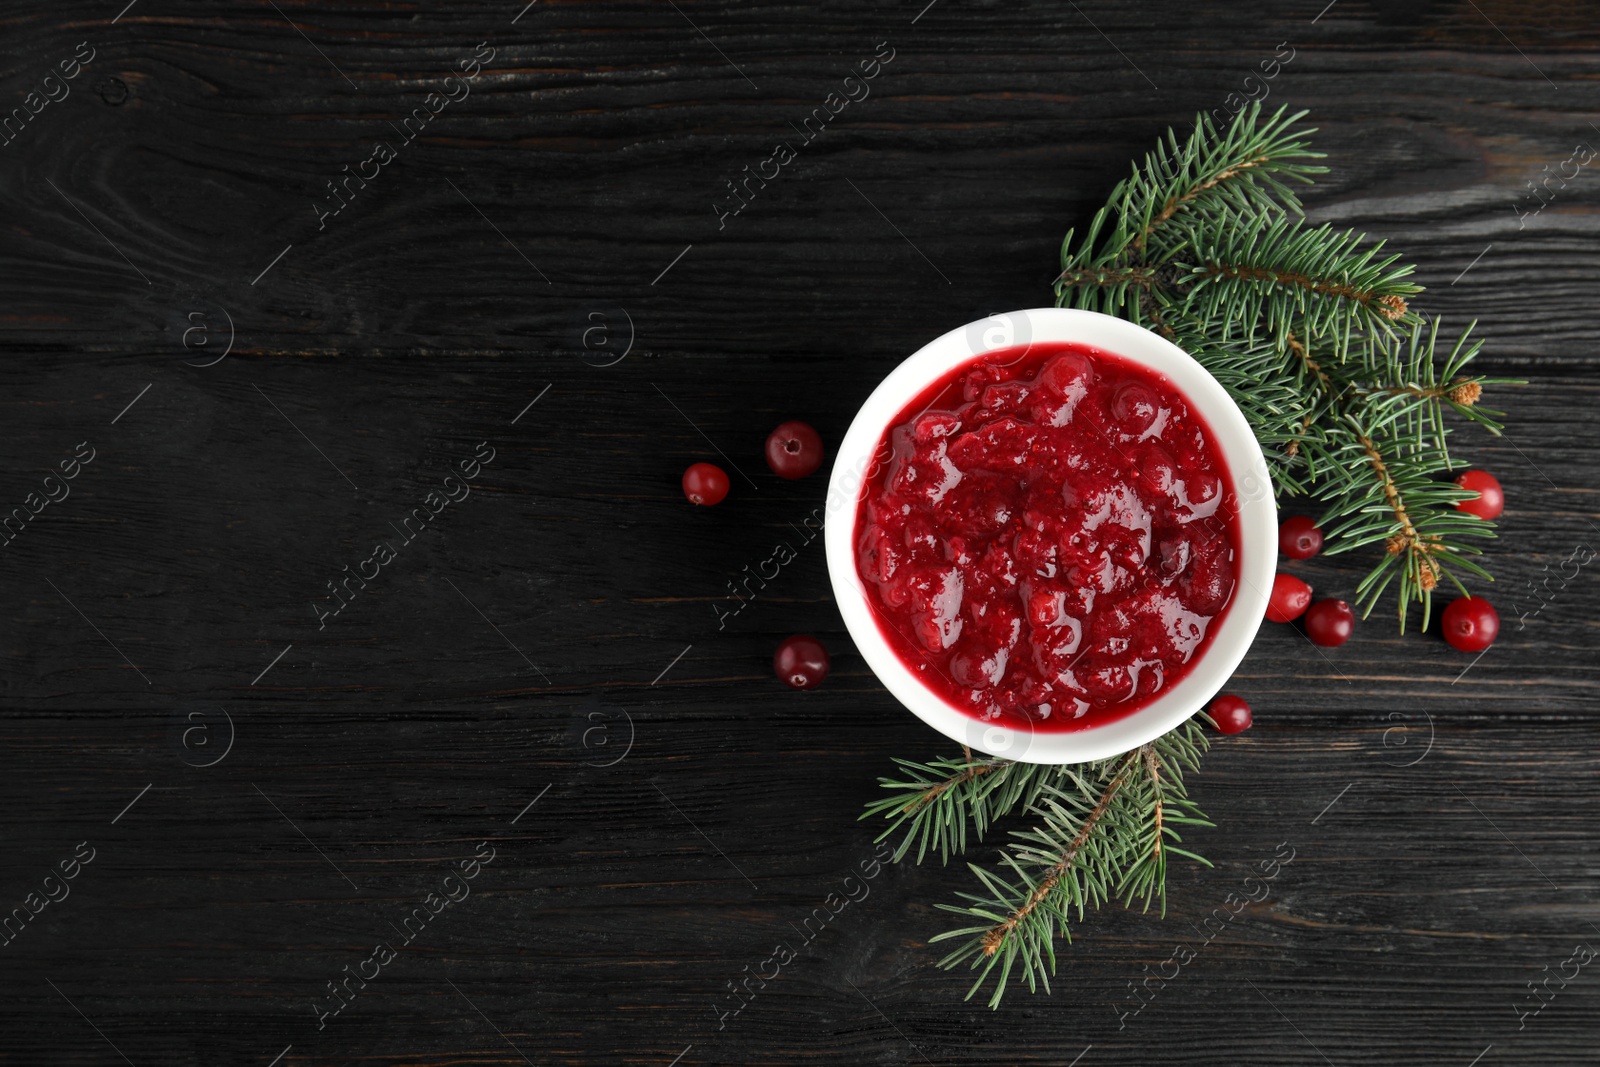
(1252, 492)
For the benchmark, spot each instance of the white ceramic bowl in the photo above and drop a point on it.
(1252, 499)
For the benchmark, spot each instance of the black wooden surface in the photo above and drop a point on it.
(552, 639)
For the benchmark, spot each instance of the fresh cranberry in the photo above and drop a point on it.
(1290, 598)
(1230, 713)
(1491, 499)
(1299, 537)
(1470, 624)
(705, 483)
(801, 662)
(1330, 622)
(794, 450)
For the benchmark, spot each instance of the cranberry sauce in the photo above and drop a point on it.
(1049, 545)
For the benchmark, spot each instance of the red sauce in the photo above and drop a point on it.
(1049, 543)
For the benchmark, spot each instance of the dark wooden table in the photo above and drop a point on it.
(268, 793)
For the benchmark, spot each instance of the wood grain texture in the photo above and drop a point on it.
(566, 612)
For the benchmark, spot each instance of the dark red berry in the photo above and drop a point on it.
(1290, 598)
(1299, 537)
(801, 662)
(1330, 622)
(1491, 499)
(705, 483)
(1230, 713)
(1470, 624)
(794, 450)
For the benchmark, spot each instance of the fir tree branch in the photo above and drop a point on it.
(1274, 270)
(1205, 243)
(1242, 166)
(1394, 429)
(1107, 830)
(996, 936)
(1391, 306)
